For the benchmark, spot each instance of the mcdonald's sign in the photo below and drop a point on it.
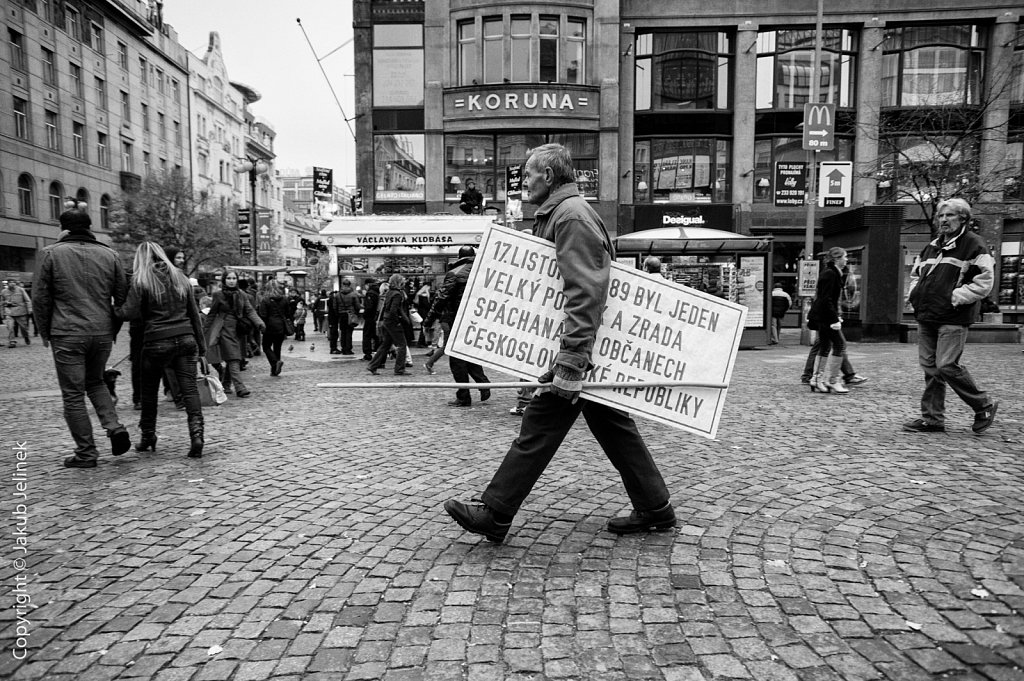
(819, 127)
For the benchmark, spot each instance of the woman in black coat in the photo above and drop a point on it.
(229, 306)
(273, 309)
(825, 319)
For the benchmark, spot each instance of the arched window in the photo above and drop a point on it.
(105, 212)
(26, 199)
(56, 200)
(83, 196)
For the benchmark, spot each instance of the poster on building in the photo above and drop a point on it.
(323, 182)
(750, 288)
(513, 194)
(654, 333)
(808, 283)
(264, 234)
(790, 184)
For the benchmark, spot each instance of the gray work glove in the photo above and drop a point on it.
(564, 382)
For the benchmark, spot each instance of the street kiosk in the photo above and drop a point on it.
(419, 247)
(730, 265)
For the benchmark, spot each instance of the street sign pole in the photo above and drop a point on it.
(805, 333)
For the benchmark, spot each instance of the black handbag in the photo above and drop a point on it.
(289, 325)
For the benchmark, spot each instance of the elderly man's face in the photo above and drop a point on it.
(536, 181)
(949, 221)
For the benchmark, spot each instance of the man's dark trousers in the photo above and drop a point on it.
(345, 332)
(546, 422)
(461, 372)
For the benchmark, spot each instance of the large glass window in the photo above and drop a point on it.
(932, 65)
(484, 158)
(785, 68)
(76, 78)
(17, 43)
(916, 169)
(523, 48)
(398, 164)
(679, 71)
(51, 124)
(102, 153)
(78, 140)
(72, 22)
(398, 65)
(683, 170)
(56, 200)
(49, 67)
(21, 118)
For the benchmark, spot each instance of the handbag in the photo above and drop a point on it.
(289, 325)
(211, 391)
(416, 317)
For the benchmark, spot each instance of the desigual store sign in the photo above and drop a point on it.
(576, 102)
(713, 216)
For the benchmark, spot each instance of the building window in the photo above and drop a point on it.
(122, 55)
(521, 63)
(175, 90)
(52, 130)
(96, 38)
(784, 68)
(78, 139)
(548, 49)
(932, 65)
(683, 71)
(204, 165)
(160, 81)
(146, 164)
(145, 118)
(126, 108)
(683, 170)
(161, 125)
(469, 59)
(914, 168)
(143, 71)
(17, 43)
(771, 150)
(105, 212)
(47, 10)
(399, 162)
(76, 78)
(101, 93)
(72, 22)
(49, 67)
(102, 156)
(25, 195)
(21, 118)
(494, 50)
(523, 48)
(127, 158)
(177, 133)
(56, 200)
(397, 65)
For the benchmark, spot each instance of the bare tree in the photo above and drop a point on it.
(164, 209)
(929, 154)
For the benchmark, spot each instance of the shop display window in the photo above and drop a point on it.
(685, 170)
(398, 165)
(1010, 288)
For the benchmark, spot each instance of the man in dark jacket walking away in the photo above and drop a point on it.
(371, 301)
(584, 254)
(445, 308)
(954, 273)
(341, 311)
(77, 284)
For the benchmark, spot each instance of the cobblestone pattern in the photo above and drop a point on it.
(817, 541)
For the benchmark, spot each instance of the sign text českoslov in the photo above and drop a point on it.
(652, 330)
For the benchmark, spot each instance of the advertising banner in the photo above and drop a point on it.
(323, 182)
(513, 193)
(808, 284)
(790, 184)
(653, 332)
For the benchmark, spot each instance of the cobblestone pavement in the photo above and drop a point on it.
(817, 541)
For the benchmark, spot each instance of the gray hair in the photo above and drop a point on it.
(959, 206)
(556, 157)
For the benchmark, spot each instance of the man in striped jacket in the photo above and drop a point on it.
(948, 282)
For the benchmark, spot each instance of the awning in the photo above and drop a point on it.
(689, 240)
(405, 233)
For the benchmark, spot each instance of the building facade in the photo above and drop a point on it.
(681, 112)
(218, 131)
(93, 96)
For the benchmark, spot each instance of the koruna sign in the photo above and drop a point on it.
(652, 331)
(577, 102)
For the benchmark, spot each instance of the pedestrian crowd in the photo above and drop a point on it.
(81, 295)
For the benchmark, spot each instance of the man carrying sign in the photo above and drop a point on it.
(584, 254)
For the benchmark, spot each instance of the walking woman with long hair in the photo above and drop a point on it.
(273, 309)
(229, 310)
(824, 317)
(161, 296)
(394, 314)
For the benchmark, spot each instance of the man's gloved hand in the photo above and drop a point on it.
(564, 382)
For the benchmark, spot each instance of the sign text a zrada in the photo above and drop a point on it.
(652, 331)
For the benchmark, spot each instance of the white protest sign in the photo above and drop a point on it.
(652, 330)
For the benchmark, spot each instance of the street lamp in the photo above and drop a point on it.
(254, 167)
